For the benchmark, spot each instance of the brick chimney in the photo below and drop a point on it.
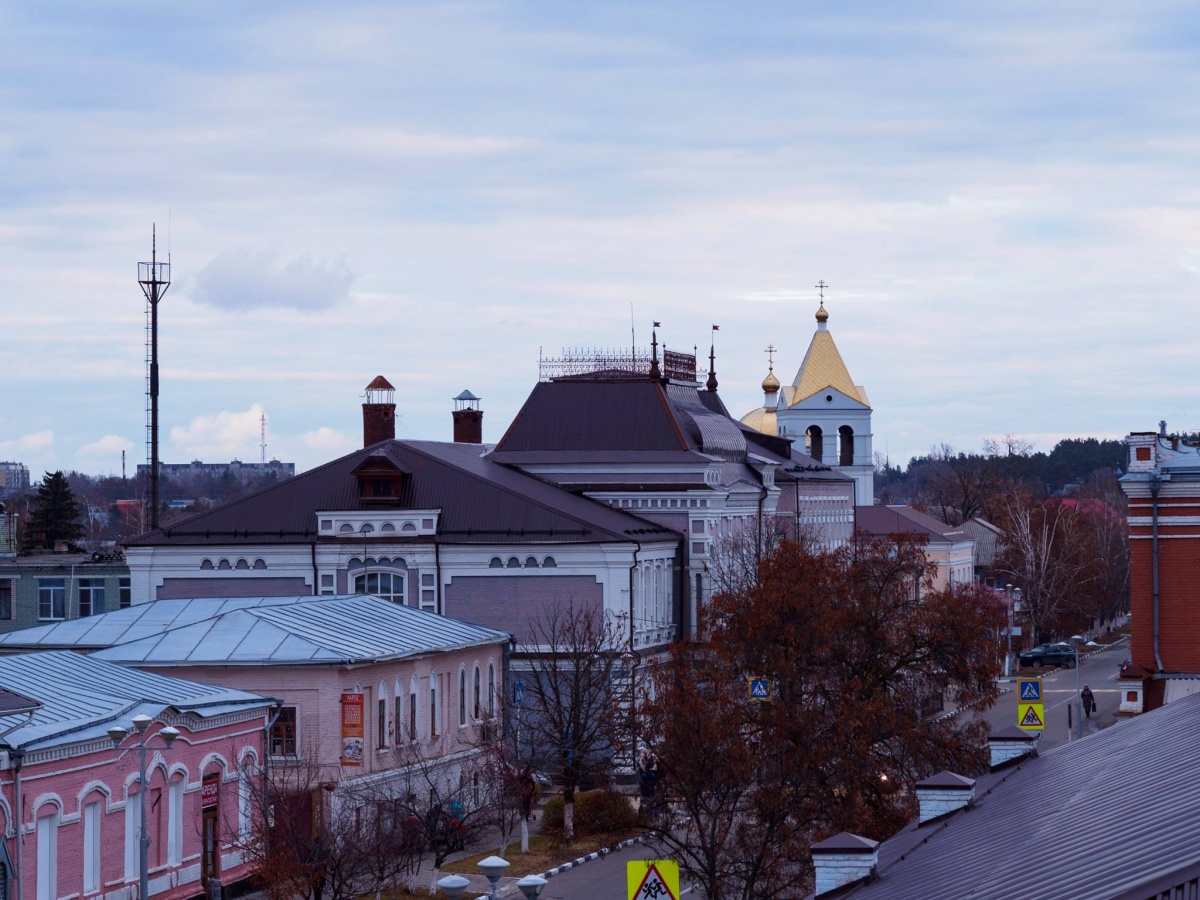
(943, 794)
(1011, 744)
(843, 859)
(379, 412)
(468, 419)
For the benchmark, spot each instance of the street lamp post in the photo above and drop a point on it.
(1014, 607)
(118, 734)
(1078, 710)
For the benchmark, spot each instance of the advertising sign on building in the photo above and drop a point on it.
(352, 729)
(210, 791)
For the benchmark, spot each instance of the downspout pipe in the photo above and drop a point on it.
(316, 576)
(1155, 486)
(18, 757)
(632, 568)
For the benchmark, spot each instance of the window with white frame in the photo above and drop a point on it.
(433, 706)
(412, 709)
(52, 598)
(91, 596)
(491, 689)
(462, 698)
(388, 585)
(284, 733)
(124, 593)
(175, 815)
(475, 687)
(6, 598)
(381, 724)
(91, 847)
(47, 856)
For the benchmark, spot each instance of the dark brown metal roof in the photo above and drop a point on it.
(595, 416)
(881, 520)
(1115, 816)
(480, 502)
(379, 383)
(12, 703)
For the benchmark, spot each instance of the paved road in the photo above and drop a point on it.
(1097, 670)
(601, 879)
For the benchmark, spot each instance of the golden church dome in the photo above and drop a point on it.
(822, 316)
(770, 384)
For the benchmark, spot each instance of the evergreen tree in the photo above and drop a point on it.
(54, 512)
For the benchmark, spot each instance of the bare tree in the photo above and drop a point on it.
(571, 659)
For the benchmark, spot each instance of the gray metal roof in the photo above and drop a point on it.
(342, 630)
(82, 696)
(142, 620)
(1114, 816)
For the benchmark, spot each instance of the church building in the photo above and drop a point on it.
(825, 409)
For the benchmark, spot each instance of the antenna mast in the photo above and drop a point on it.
(155, 278)
(262, 438)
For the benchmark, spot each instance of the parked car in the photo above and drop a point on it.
(1061, 655)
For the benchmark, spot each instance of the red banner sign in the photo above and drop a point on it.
(352, 729)
(210, 792)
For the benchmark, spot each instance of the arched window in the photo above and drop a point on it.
(462, 697)
(381, 706)
(413, 730)
(491, 690)
(433, 706)
(549, 563)
(496, 563)
(845, 446)
(398, 720)
(514, 563)
(530, 562)
(388, 585)
(477, 705)
(814, 442)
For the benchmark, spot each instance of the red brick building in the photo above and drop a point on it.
(1163, 486)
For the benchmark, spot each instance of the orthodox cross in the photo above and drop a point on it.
(821, 285)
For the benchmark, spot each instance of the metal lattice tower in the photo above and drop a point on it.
(155, 278)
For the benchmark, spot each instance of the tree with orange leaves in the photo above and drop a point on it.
(853, 645)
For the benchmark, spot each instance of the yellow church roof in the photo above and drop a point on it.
(823, 368)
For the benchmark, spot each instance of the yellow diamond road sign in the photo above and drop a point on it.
(1031, 716)
(652, 879)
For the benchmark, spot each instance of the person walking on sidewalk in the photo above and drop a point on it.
(1089, 701)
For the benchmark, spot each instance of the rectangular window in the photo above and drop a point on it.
(412, 716)
(397, 725)
(91, 596)
(433, 707)
(47, 857)
(52, 598)
(6, 598)
(381, 725)
(175, 827)
(283, 733)
(124, 593)
(91, 848)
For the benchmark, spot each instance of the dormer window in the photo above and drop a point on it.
(380, 480)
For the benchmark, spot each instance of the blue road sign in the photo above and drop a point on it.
(1029, 690)
(518, 693)
(760, 690)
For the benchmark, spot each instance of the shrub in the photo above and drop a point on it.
(596, 812)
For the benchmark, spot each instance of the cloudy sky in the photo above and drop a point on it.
(1002, 197)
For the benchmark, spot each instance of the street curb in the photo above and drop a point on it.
(594, 855)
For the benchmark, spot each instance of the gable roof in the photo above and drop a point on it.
(340, 631)
(81, 696)
(1115, 816)
(480, 502)
(886, 520)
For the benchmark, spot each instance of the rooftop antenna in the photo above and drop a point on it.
(155, 278)
(632, 336)
(262, 437)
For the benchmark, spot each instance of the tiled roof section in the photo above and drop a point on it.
(886, 520)
(12, 702)
(595, 416)
(142, 620)
(480, 502)
(823, 368)
(82, 696)
(1114, 815)
(379, 383)
(346, 630)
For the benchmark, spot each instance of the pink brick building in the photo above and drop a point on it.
(77, 832)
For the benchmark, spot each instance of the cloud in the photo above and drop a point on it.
(248, 279)
(332, 442)
(28, 443)
(223, 434)
(109, 445)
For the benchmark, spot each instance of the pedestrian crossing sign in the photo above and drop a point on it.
(760, 689)
(1031, 716)
(652, 879)
(1029, 690)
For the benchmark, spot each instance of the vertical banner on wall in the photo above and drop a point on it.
(352, 729)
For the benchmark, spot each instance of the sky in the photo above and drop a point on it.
(1002, 197)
